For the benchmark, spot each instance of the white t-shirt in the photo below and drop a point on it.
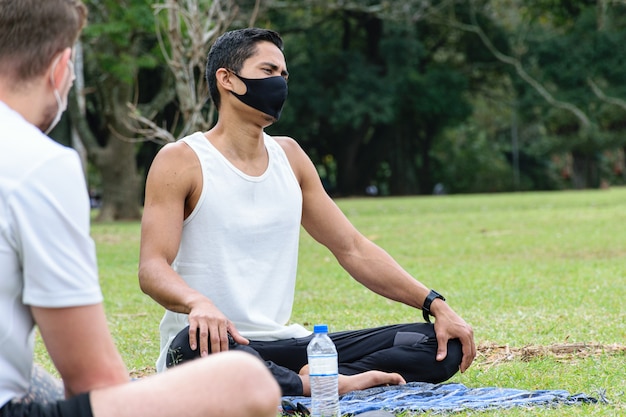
(47, 257)
(239, 246)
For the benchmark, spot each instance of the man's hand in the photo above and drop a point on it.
(448, 325)
(208, 325)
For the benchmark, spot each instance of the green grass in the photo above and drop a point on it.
(523, 269)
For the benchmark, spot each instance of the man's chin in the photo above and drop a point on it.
(269, 119)
(47, 121)
(43, 126)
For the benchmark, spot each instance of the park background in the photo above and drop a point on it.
(511, 112)
(403, 97)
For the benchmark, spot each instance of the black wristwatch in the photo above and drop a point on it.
(432, 295)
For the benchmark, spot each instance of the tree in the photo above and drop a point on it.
(186, 30)
(559, 53)
(373, 88)
(336, 103)
(118, 44)
(134, 77)
(378, 89)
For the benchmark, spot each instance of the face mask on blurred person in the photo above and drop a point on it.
(61, 105)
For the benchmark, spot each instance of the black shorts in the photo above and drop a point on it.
(78, 406)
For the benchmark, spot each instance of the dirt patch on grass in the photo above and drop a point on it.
(492, 354)
(140, 373)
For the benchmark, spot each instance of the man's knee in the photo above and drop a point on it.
(450, 365)
(179, 350)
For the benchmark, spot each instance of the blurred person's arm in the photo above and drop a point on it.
(81, 347)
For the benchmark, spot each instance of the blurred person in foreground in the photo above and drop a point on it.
(220, 233)
(47, 258)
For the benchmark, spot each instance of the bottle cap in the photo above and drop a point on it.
(320, 328)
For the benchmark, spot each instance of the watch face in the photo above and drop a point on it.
(437, 295)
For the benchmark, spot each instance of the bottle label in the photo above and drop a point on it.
(323, 365)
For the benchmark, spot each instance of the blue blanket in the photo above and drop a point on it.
(449, 397)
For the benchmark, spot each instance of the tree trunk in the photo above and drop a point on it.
(349, 173)
(117, 163)
(585, 171)
(120, 182)
(402, 181)
(425, 177)
(114, 155)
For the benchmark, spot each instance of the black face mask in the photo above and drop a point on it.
(267, 95)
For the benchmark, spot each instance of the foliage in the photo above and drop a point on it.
(116, 47)
(561, 12)
(468, 161)
(573, 55)
(371, 92)
(389, 91)
(119, 39)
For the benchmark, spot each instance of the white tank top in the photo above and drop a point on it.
(239, 246)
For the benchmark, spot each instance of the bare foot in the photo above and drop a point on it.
(349, 383)
(304, 370)
(368, 379)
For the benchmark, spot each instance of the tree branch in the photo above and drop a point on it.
(584, 121)
(600, 94)
(151, 131)
(255, 13)
(184, 30)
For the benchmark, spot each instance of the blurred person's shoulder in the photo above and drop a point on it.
(26, 150)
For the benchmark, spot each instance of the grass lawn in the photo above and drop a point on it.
(540, 276)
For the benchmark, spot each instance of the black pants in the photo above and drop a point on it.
(408, 349)
(78, 406)
(46, 398)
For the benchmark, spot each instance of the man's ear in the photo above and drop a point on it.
(58, 66)
(224, 79)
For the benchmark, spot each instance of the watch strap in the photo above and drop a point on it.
(432, 295)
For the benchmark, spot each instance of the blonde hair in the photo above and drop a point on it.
(33, 32)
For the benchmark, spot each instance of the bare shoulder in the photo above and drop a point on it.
(299, 160)
(294, 151)
(174, 160)
(288, 144)
(176, 166)
(175, 153)
(301, 164)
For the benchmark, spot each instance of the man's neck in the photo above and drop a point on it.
(22, 100)
(243, 145)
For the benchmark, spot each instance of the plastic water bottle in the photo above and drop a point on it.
(323, 374)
